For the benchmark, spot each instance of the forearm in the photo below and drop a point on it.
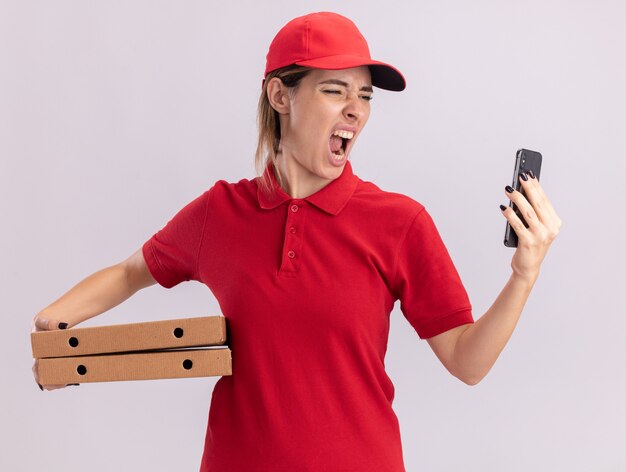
(92, 296)
(479, 346)
(469, 351)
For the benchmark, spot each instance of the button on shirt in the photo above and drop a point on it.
(307, 287)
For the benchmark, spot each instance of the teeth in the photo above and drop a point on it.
(344, 134)
(338, 155)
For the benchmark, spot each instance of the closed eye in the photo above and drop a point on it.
(368, 98)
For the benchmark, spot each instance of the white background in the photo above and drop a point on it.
(114, 115)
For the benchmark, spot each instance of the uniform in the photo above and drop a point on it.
(307, 286)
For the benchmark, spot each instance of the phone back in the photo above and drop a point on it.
(525, 160)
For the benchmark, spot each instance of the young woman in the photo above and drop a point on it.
(307, 261)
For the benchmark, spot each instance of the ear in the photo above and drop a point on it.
(278, 96)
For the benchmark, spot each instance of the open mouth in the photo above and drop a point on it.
(338, 143)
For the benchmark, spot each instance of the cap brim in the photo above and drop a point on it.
(384, 76)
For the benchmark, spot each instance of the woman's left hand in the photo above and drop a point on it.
(543, 226)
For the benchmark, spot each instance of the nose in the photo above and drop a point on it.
(355, 108)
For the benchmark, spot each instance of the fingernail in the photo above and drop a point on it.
(509, 189)
(531, 173)
(62, 325)
(40, 387)
(502, 207)
(524, 177)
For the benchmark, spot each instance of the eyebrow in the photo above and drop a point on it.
(365, 88)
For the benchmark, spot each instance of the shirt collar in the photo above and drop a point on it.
(331, 199)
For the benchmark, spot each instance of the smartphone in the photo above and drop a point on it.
(525, 160)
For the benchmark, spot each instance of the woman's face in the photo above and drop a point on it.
(325, 114)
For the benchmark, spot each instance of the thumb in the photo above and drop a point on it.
(45, 324)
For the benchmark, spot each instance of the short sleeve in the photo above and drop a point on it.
(171, 254)
(432, 296)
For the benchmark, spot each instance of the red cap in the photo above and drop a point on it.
(327, 40)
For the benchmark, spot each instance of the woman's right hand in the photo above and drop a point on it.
(92, 296)
(42, 323)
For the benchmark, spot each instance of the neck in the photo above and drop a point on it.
(297, 181)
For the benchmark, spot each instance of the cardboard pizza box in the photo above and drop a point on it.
(152, 335)
(180, 363)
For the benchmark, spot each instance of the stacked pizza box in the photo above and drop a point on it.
(138, 351)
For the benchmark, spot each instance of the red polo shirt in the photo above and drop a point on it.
(307, 286)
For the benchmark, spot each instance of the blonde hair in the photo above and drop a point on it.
(268, 123)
